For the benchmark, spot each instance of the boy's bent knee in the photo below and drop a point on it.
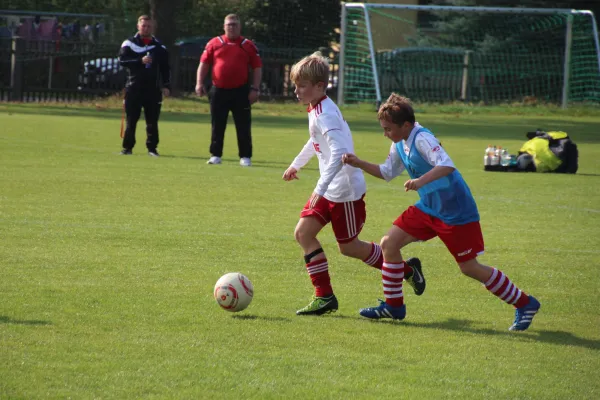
(303, 236)
(388, 244)
(349, 249)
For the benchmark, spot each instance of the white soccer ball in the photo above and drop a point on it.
(233, 292)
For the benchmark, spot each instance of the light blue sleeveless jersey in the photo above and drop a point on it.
(447, 198)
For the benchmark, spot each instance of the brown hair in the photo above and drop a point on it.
(313, 68)
(144, 18)
(397, 109)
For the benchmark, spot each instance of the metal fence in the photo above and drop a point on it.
(47, 70)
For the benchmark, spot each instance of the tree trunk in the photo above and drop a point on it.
(165, 29)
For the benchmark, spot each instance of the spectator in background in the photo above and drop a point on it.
(231, 56)
(76, 29)
(36, 23)
(148, 70)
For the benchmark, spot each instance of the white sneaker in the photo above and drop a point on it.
(214, 160)
(245, 162)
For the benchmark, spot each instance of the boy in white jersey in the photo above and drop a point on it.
(446, 209)
(339, 195)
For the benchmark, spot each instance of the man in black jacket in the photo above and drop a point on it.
(147, 64)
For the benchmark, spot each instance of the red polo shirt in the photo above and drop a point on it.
(230, 60)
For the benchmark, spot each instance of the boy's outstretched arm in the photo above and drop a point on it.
(300, 161)
(435, 173)
(371, 169)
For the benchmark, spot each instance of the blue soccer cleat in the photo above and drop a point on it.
(384, 311)
(525, 314)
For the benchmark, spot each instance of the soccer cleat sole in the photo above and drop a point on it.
(317, 312)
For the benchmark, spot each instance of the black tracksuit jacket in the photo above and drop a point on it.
(141, 76)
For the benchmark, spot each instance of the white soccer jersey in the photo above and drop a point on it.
(330, 138)
(428, 146)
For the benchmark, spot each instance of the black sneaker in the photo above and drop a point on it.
(319, 306)
(153, 153)
(416, 279)
(126, 152)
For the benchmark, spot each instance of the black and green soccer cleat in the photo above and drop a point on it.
(416, 279)
(319, 306)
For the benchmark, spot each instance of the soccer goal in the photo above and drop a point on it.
(473, 54)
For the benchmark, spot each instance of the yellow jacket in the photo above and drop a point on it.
(545, 160)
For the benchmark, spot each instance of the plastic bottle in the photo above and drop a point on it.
(496, 156)
(504, 158)
(149, 64)
(487, 157)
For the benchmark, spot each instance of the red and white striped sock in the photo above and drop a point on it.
(319, 275)
(392, 276)
(503, 288)
(375, 258)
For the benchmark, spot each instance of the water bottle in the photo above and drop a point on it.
(487, 157)
(495, 156)
(149, 64)
(505, 158)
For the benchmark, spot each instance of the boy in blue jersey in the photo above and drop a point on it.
(446, 209)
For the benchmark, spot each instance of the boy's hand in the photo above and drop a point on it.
(290, 174)
(412, 184)
(350, 159)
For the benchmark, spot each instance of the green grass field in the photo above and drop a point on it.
(108, 264)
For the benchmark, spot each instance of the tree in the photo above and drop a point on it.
(294, 23)
(165, 26)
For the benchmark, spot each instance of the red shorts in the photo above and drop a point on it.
(347, 219)
(465, 242)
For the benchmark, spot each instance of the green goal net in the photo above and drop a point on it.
(473, 54)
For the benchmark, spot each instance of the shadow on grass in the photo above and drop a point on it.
(260, 318)
(6, 320)
(555, 337)
(255, 163)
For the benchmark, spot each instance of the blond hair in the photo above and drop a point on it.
(397, 109)
(313, 68)
(144, 18)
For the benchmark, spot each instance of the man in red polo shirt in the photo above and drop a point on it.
(231, 56)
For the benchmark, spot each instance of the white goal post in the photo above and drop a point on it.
(474, 54)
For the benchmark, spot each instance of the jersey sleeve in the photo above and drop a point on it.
(304, 156)
(332, 130)
(129, 58)
(432, 151)
(393, 165)
(253, 53)
(207, 54)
